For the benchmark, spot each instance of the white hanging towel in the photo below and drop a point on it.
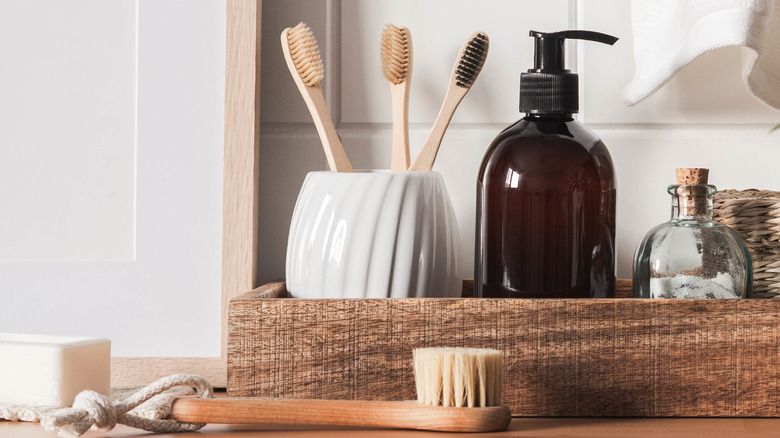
(668, 34)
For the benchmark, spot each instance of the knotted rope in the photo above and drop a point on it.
(91, 409)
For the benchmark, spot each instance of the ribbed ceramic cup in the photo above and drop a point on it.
(373, 234)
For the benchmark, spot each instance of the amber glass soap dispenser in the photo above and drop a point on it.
(546, 192)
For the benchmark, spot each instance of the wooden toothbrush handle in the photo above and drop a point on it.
(400, 98)
(380, 414)
(427, 155)
(334, 151)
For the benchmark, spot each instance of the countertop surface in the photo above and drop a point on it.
(522, 427)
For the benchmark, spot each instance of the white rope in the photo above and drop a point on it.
(94, 410)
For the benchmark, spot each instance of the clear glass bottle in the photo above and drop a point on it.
(692, 256)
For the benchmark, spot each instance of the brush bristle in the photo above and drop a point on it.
(472, 60)
(305, 54)
(396, 53)
(458, 376)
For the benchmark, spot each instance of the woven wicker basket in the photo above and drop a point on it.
(755, 215)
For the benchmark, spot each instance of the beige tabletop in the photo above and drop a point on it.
(522, 427)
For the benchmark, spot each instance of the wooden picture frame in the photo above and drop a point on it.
(239, 201)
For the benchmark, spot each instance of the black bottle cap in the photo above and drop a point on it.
(549, 88)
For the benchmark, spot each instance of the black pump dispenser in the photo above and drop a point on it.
(549, 88)
(546, 195)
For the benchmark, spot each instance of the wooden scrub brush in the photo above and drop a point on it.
(303, 59)
(458, 390)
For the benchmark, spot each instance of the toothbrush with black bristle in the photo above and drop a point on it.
(470, 61)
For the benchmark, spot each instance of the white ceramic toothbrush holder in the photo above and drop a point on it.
(373, 234)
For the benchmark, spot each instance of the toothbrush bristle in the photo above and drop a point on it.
(472, 60)
(396, 53)
(305, 54)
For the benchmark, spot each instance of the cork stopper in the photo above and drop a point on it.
(692, 190)
(694, 175)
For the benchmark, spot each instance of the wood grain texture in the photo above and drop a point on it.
(239, 201)
(241, 154)
(623, 288)
(565, 357)
(353, 413)
(143, 370)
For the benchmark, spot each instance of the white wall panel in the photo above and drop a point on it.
(164, 300)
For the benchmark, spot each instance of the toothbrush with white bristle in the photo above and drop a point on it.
(396, 52)
(470, 61)
(458, 390)
(303, 59)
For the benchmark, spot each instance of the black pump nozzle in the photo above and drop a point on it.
(549, 48)
(549, 88)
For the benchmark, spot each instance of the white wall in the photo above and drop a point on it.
(111, 126)
(704, 117)
(68, 121)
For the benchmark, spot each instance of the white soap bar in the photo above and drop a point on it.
(51, 370)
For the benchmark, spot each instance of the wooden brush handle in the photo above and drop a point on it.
(400, 97)
(381, 414)
(427, 155)
(334, 151)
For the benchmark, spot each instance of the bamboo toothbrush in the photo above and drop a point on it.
(470, 61)
(305, 64)
(396, 51)
(458, 390)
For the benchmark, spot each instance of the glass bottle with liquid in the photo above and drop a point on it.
(691, 255)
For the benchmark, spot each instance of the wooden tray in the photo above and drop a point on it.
(563, 357)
